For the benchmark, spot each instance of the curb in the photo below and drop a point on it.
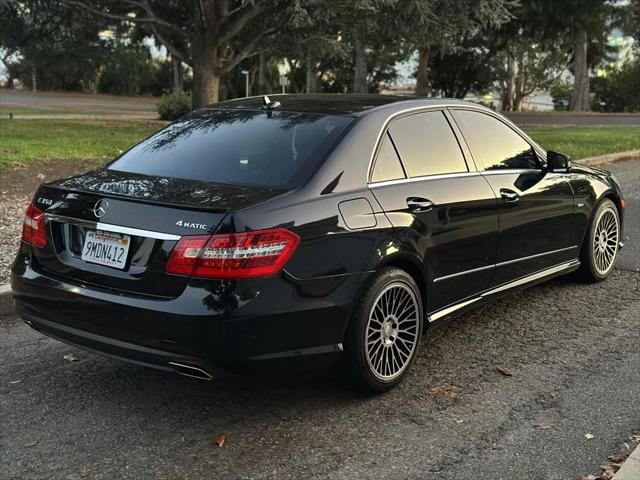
(630, 469)
(609, 157)
(6, 304)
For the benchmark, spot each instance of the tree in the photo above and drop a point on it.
(433, 27)
(586, 25)
(37, 36)
(215, 35)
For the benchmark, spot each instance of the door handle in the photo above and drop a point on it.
(418, 204)
(509, 195)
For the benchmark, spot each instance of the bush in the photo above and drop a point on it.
(174, 105)
(561, 95)
(618, 90)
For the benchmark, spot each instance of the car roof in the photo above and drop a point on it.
(334, 103)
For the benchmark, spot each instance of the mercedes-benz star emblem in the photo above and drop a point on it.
(100, 208)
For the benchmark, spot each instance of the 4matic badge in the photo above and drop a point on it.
(182, 223)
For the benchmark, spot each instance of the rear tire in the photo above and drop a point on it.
(384, 333)
(600, 246)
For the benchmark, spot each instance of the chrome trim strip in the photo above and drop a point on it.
(507, 286)
(198, 372)
(111, 228)
(535, 276)
(522, 259)
(465, 272)
(423, 178)
(501, 264)
(446, 311)
(511, 171)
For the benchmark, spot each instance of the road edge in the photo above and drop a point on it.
(609, 157)
(630, 469)
(6, 302)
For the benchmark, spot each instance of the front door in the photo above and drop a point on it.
(535, 205)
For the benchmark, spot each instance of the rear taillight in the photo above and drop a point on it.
(33, 226)
(237, 255)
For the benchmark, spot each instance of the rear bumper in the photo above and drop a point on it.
(278, 322)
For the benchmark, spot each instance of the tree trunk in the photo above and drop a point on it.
(176, 66)
(360, 69)
(422, 77)
(206, 59)
(264, 86)
(507, 96)
(34, 79)
(206, 82)
(312, 76)
(580, 97)
(517, 104)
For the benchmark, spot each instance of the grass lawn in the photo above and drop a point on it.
(5, 110)
(24, 142)
(31, 141)
(581, 142)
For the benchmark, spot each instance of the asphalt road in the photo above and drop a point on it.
(144, 106)
(573, 350)
(82, 103)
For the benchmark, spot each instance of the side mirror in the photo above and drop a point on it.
(558, 163)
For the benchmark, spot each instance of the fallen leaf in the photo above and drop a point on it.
(618, 458)
(589, 477)
(504, 371)
(542, 427)
(220, 440)
(608, 471)
(448, 392)
(31, 444)
(589, 436)
(70, 357)
(86, 472)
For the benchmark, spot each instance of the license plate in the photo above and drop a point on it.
(106, 248)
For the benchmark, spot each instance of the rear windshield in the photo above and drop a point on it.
(277, 149)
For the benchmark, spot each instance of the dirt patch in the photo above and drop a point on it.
(17, 187)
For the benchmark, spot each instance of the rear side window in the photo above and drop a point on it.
(245, 147)
(427, 145)
(499, 146)
(387, 166)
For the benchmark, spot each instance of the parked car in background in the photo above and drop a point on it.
(304, 231)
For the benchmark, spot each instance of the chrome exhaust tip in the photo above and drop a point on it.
(190, 371)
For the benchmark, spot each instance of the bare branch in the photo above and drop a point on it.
(237, 24)
(203, 18)
(249, 50)
(152, 19)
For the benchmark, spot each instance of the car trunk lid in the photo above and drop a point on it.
(148, 214)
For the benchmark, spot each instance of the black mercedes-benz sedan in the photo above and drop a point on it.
(300, 231)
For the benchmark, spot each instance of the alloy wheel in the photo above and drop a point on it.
(392, 331)
(605, 241)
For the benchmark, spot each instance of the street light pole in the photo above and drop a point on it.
(246, 75)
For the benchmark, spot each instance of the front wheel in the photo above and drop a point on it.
(384, 333)
(600, 248)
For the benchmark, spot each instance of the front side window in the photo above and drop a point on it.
(499, 146)
(243, 147)
(427, 145)
(387, 166)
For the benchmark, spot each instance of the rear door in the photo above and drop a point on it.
(438, 203)
(535, 205)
